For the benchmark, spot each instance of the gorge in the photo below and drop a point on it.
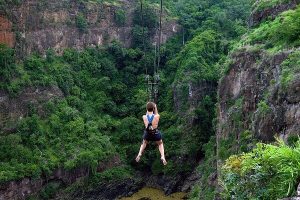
(73, 90)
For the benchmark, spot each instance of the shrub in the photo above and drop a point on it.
(81, 22)
(283, 31)
(49, 190)
(120, 17)
(263, 108)
(290, 67)
(292, 139)
(149, 17)
(7, 63)
(263, 4)
(270, 171)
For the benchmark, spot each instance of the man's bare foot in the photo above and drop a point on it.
(164, 161)
(137, 159)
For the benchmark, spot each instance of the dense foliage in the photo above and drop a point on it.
(268, 172)
(263, 4)
(4, 4)
(198, 58)
(81, 22)
(102, 98)
(7, 62)
(69, 133)
(283, 32)
(290, 67)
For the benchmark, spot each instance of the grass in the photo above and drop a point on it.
(264, 4)
(270, 171)
(290, 67)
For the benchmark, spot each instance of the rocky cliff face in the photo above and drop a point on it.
(252, 98)
(6, 34)
(259, 96)
(35, 26)
(187, 96)
(13, 109)
(23, 188)
(259, 15)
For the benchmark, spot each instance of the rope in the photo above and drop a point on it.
(143, 33)
(156, 75)
(160, 31)
(153, 82)
(149, 88)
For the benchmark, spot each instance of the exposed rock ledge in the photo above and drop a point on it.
(13, 109)
(257, 16)
(19, 190)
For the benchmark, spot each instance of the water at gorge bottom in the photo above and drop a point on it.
(147, 193)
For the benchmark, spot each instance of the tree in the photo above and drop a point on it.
(7, 63)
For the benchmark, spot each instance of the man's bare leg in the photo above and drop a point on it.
(162, 151)
(142, 148)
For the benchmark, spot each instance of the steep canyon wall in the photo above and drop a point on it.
(35, 26)
(256, 102)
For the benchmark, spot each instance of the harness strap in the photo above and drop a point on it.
(149, 128)
(150, 119)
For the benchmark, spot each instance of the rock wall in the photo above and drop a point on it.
(127, 187)
(40, 25)
(187, 96)
(13, 109)
(19, 190)
(254, 103)
(251, 95)
(6, 35)
(254, 77)
(257, 16)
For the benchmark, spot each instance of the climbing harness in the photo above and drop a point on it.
(153, 81)
(150, 128)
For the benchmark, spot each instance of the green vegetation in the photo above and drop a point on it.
(263, 4)
(283, 32)
(4, 4)
(268, 172)
(292, 140)
(81, 22)
(198, 57)
(263, 108)
(64, 139)
(99, 115)
(49, 190)
(7, 63)
(120, 17)
(103, 98)
(203, 190)
(76, 130)
(290, 67)
(210, 28)
(145, 24)
(227, 17)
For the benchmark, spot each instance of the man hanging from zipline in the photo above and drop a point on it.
(151, 132)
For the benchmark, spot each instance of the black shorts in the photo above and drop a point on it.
(152, 137)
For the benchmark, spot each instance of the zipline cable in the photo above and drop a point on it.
(143, 35)
(156, 75)
(147, 77)
(160, 33)
(154, 80)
